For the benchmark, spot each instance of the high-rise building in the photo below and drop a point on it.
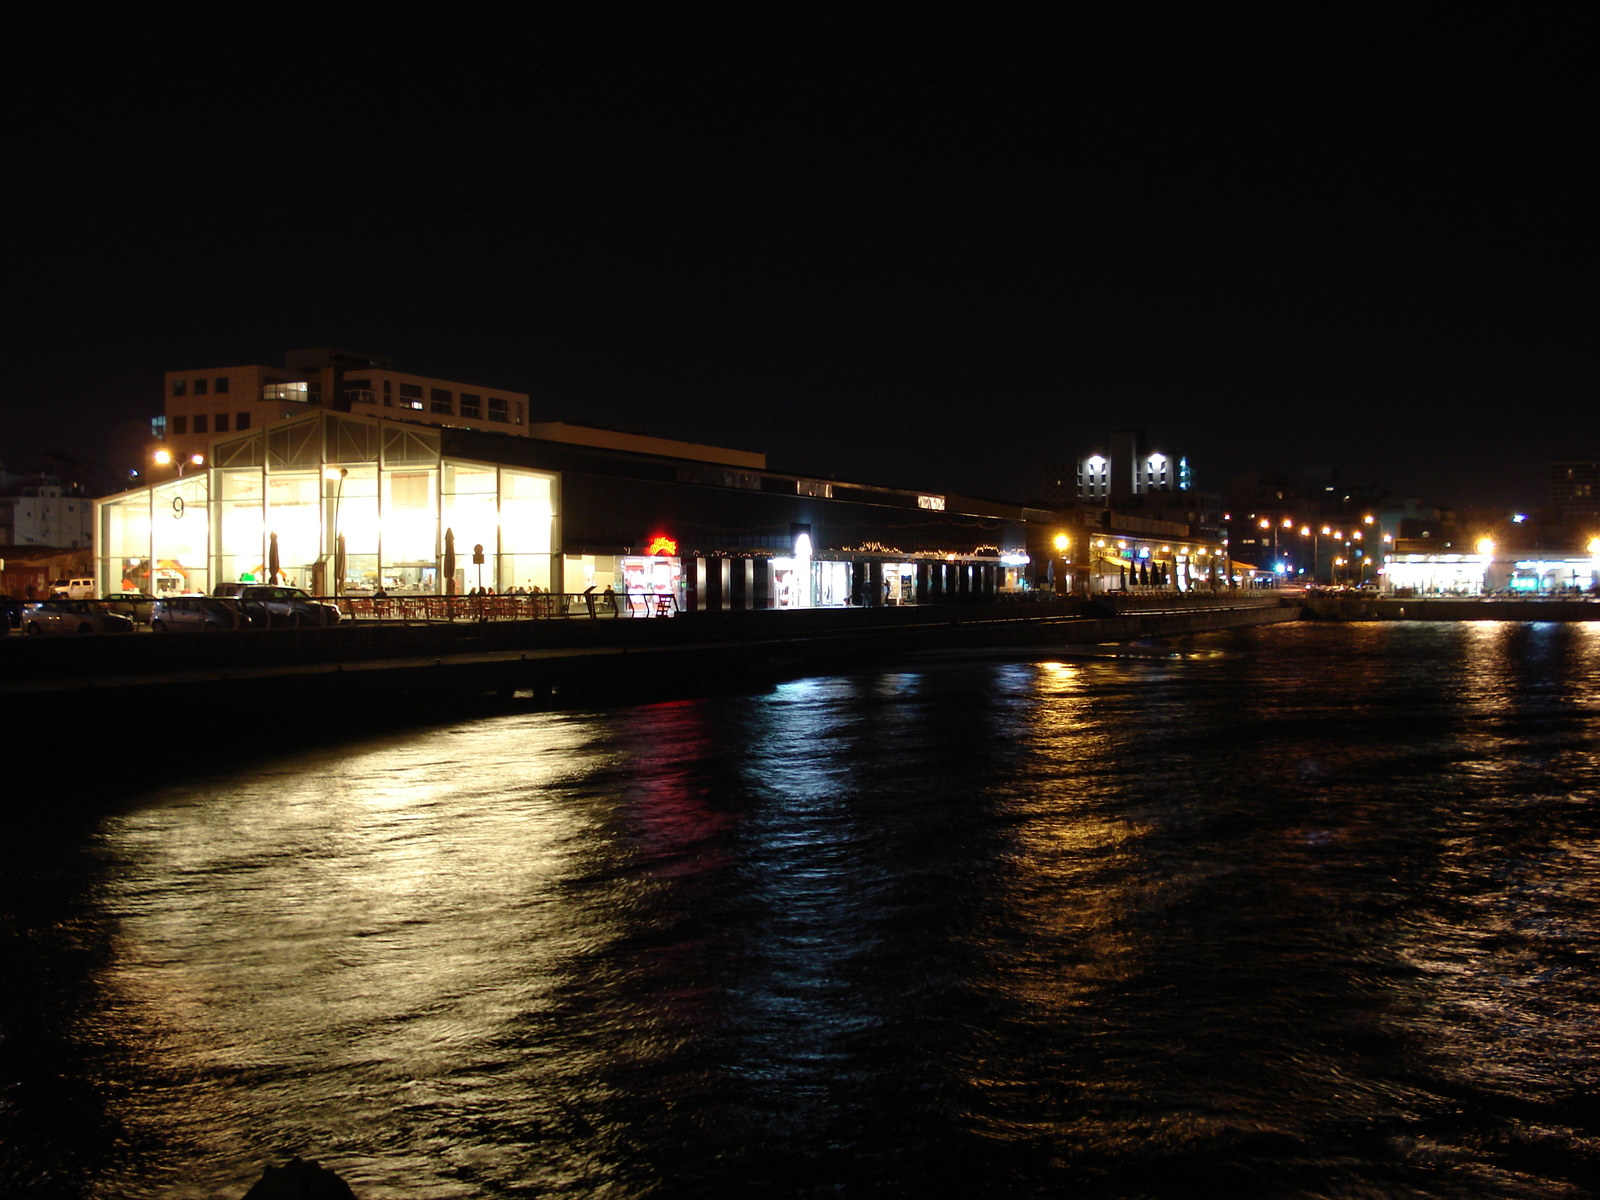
(1133, 468)
(1575, 488)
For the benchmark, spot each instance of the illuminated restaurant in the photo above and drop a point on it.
(346, 505)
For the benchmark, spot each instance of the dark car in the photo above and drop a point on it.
(72, 616)
(269, 604)
(194, 614)
(11, 607)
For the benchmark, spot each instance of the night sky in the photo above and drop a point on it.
(938, 253)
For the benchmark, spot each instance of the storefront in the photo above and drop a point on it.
(1131, 563)
(1490, 573)
(644, 583)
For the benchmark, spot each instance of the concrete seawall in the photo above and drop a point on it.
(252, 689)
(1359, 608)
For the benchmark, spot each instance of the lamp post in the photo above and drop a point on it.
(1307, 531)
(165, 458)
(337, 476)
(1486, 556)
(1275, 523)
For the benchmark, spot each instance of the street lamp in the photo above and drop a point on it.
(1486, 553)
(337, 476)
(165, 458)
(1062, 578)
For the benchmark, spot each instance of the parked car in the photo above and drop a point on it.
(194, 614)
(269, 604)
(71, 616)
(136, 606)
(80, 588)
(11, 612)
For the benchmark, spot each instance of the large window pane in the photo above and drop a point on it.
(410, 529)
(294, 514)
(179, 535)
(125, 544)
(240, 530)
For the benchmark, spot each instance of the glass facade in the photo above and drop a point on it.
(339, 506)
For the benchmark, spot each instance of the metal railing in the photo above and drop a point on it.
(541, 606)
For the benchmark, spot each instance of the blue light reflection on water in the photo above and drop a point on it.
(1305, 910)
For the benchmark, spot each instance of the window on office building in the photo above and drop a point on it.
(497, 409)
(519, 412)
(241, 420)
(222, 422)
(222, 384)
(411, 396)
(180, 424)
(199, 387)
(200, 423)
(388, 393)
(441, 401)
(472, 406)
(178, 388)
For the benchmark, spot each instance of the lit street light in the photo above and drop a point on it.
(165, 458)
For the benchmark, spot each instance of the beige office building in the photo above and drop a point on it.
(204, 404)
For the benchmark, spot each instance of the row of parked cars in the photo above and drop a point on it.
(233, 606)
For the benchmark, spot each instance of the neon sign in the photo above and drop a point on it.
(662, 545)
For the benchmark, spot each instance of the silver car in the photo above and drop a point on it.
(71, 616)
(194, 614)
(269, 604)
(136, 606)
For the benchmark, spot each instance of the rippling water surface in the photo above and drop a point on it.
(1301, 911)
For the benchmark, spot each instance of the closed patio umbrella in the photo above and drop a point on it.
(273, 565)
(338, 566)
(449, 562)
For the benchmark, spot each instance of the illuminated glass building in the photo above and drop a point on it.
(344, 504)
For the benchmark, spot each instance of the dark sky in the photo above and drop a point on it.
(939, 253)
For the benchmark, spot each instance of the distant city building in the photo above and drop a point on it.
(1133, 468)
(1143, 482)
(1313, 527)
(38, 510)
(1575, 488)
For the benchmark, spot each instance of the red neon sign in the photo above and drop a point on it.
(662, 545)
